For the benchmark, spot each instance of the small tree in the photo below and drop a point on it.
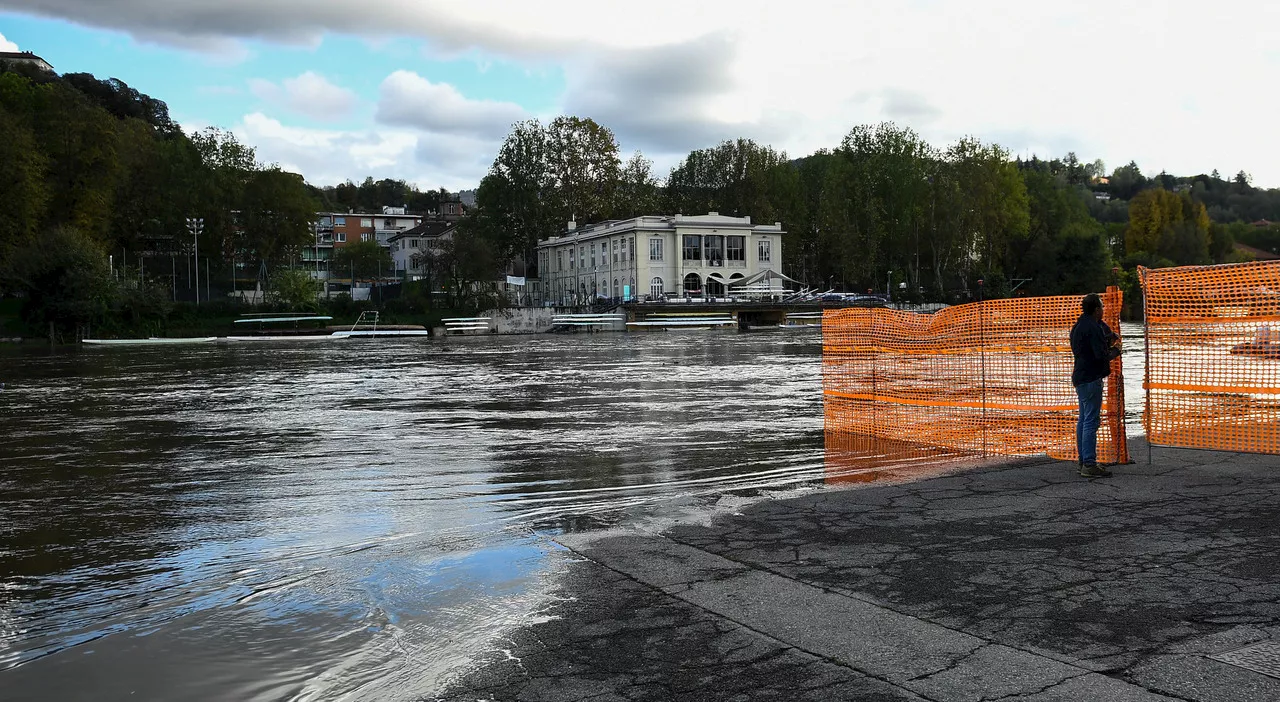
(363, 258)
(296, 289)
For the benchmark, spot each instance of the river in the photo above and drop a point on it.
(358, 518)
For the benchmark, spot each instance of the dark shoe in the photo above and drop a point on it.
(1093, 470)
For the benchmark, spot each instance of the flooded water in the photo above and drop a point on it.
(357, 518)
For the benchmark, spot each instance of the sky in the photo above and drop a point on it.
(425, 91)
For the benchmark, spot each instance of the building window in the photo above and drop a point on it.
(714, 288)
(615, 255)
(692, 248)
(762, 250)
(617, 291)
(366, 222)
(692, 284)
(339, 221)
(655, 249)
(413, 243)
(624, 250)
(593, 255)
(366, 236)
(388, 223)
(340, 237)
(631, 244)
(582, 257)
(714, 249)
(655, 288)
(736, 249)
(560, 260)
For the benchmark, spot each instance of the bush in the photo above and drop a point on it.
(295, 289)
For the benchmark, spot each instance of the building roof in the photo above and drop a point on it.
(25, 56)
(429, 229)
(1258, 254)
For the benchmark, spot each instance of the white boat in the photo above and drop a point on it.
(263, 318)
(381, 332)
(274, 334)
(804, 321)
(663, 320)
(369, 320)
(151, 341)
(465, 325)
(288, 337)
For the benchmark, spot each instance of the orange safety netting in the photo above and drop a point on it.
(991, 377)
(1213, 356)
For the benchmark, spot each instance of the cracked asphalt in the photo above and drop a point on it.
(1015, 582)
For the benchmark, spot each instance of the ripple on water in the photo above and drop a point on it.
(275, 522)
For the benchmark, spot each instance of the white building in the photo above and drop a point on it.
(656, 258)
(391, 222)
(25, 58)
(413, 249)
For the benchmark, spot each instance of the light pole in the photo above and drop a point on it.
(195, 225)
(888, 286)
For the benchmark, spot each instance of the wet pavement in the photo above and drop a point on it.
(1019, 581)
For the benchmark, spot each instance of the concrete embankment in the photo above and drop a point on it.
(1013, 582)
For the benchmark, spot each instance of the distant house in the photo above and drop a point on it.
(25, 58)
(1262, 224)
(1258, 254)
(413, 249)
(1099, 195)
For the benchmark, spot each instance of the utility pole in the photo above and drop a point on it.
(195, 225)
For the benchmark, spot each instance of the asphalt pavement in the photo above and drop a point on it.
(1019, 581)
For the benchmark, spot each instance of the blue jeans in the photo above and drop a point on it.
(1090, 395)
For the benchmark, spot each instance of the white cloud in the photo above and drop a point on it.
(327, 157)
(407, 99)
(6, 45)
(1165, 83)
(309, 94)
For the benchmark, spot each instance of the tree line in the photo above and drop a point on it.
(93, 167)
(882, 208)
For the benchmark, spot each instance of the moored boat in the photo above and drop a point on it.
(151, 341)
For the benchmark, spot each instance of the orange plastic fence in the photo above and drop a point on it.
(990, 377)
(1213, 366)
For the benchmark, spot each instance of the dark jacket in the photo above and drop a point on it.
(1091, 346)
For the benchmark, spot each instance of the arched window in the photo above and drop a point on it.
(715, 288)
(634, 292)
(617, 291)
(655, 288)
(692, 284)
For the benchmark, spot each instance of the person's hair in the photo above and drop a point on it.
(1091, 304)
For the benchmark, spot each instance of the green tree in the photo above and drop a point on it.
(638, 192)
(64, 276)
(295, 289)
(365, 258)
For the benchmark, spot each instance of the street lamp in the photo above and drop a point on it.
(888, 286)
(195, 225)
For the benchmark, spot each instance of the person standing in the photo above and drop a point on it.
(1093, 346)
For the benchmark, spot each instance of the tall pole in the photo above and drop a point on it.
(195, 224)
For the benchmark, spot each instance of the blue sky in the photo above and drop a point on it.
(425, 90)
